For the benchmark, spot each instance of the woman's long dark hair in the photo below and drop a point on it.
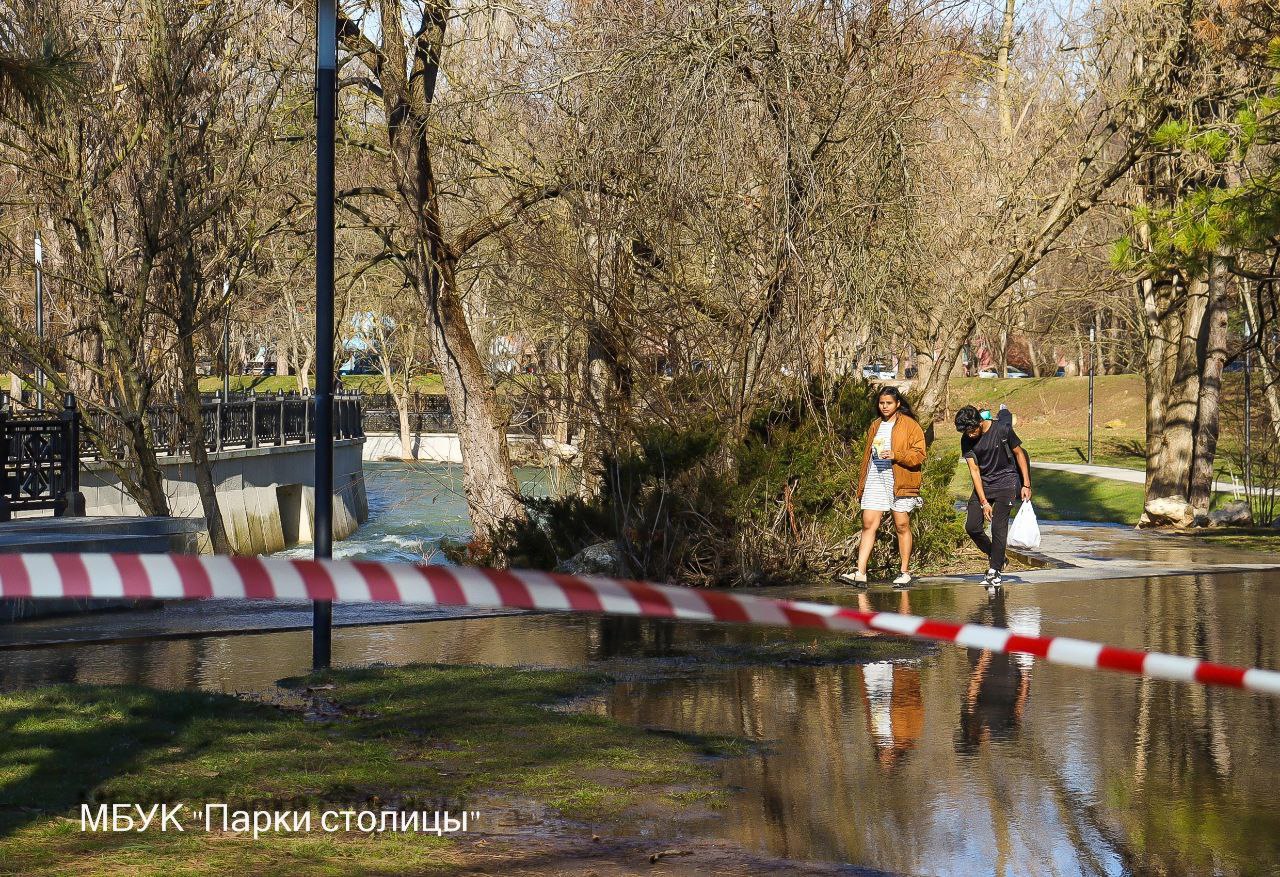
(903, 405)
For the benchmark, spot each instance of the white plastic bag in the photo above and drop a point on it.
(1024, 532)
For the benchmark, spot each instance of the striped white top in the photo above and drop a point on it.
(878, 490)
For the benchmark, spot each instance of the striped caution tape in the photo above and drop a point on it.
(175, 576)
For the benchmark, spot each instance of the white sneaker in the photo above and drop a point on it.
(853, 578)
(904, 579)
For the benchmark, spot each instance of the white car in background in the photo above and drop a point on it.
(879, 372)
(1013, 373)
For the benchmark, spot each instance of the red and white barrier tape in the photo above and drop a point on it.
(270, 578)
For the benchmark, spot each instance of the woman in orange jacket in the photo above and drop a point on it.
(890, 480)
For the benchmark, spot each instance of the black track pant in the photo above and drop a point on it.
(992, 546)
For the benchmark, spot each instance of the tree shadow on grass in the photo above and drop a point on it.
(1115, 449)
(1067, 496)
(63, 743)
(412, 736)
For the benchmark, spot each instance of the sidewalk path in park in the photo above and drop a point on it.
(1080, 551)
(1116, 473)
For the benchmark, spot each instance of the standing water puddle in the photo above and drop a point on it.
(948, 762)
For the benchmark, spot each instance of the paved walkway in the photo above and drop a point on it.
(1096, 552)
(1115, 473)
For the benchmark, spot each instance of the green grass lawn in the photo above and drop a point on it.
(1245, 540)
(1053, 417)
(1069, 496)
(289, 384)
(1066, 496)
(414, 738)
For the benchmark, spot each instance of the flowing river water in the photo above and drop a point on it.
(938, 761)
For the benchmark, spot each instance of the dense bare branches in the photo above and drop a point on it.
(676, 211)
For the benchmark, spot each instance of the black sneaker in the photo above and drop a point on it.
(992, 580)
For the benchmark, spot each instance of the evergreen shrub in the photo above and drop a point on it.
(779, 505)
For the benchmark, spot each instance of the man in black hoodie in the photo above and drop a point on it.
(1000, 472)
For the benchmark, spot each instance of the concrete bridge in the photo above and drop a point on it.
(266, 493)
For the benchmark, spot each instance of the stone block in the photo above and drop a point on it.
(1237, 513)
(1168, 511)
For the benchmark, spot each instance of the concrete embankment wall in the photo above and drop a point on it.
(131, 534)
(266, 494)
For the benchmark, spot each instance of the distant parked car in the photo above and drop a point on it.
(1013, 373)
(879, 371)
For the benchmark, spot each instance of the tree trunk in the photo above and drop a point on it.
(406, 434)
(304, 373)
(1004, 104)
(488, 482)
(1269, 390)
(1214, 357)
(924, 367)
(187, 283)
(933, 395)
(407, 65)
(1097, 351)
(1033, 354)
(193, 431)
(141, 476)
(1155, 373)
(1172, 476)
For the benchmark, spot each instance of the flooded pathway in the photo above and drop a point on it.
(950, 762)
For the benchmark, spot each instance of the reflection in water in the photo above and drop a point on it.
(895, 710)
(891, 695)
(997, 689)
(961, 762)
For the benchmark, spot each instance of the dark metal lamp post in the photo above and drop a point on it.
(226, 340)
(1248, 416)
(326, 113)
(1091, 360)
(39, 318)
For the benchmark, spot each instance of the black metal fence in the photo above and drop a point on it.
(41, 451)
(39, 461)
(429, 412)
(249, 420)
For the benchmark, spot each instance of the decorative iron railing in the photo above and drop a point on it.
(241, 421)
(430, 413)
(39, 461)
(427, 413)
(41, 451)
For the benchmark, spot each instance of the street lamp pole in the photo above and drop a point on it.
(39, 318)
(326, 113)
(226, 339)
(1248, 416)
(1091, 360)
